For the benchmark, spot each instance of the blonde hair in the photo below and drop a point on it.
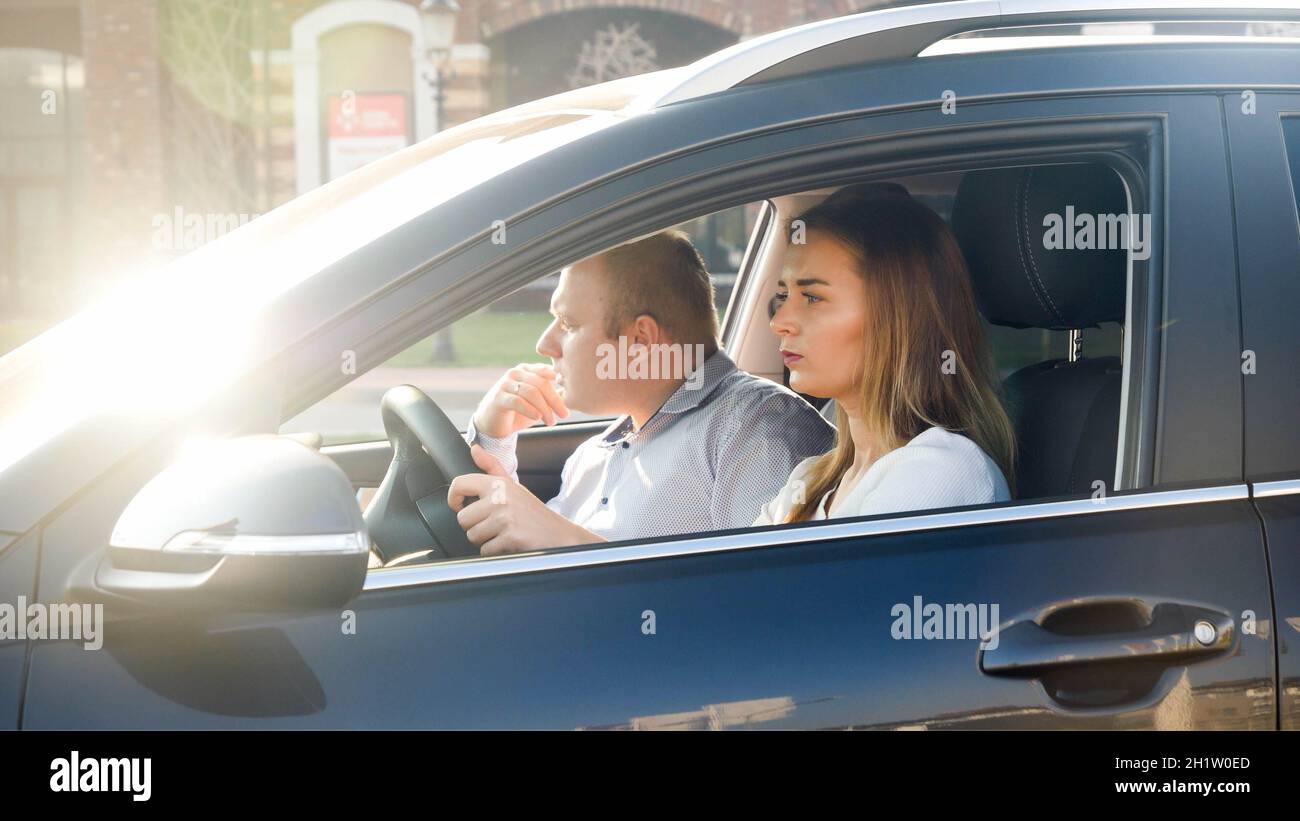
(664, 276)
(920, 314)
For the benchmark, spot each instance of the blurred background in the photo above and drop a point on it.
(135, 131)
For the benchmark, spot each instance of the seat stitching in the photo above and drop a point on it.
(1015, 231)
(1024, 212)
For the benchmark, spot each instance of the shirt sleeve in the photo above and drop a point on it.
(502, 448)
(755, 461)
(776, 511)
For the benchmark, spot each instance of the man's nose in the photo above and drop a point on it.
(545, 344)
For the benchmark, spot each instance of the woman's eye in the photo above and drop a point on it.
(780, 297)
(812, 299)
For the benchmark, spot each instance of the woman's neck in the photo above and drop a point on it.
(864, 454)
(864, 449)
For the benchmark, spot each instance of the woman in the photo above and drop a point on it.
(875, 310)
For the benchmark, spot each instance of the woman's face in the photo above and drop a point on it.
(821, 303)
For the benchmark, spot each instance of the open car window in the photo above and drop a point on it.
(1062, 385)
(456, 366)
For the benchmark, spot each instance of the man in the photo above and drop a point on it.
(698, 444)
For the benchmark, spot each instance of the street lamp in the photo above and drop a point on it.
(438, 19)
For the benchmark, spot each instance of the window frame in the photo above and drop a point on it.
(1086, 137)
(773, 536)
(1266, 213)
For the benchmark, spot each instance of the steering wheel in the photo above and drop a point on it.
(409, 519)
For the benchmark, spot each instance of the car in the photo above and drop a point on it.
(1145, 575)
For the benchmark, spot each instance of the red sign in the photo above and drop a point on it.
(367, 115)
(363, 128)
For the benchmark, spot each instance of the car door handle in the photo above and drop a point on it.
(1174, 634)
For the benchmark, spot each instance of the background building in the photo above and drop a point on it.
(135, 130)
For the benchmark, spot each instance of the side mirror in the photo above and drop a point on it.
(255, 523)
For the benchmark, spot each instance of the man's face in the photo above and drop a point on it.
(579, 306)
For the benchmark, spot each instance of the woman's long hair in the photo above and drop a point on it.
(926, 359)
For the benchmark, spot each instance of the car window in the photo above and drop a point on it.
(457, 366)
(1064, 411)
(1015, 348)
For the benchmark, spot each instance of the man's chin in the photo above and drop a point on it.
(584, 405)
(573, 401)
(581, 407)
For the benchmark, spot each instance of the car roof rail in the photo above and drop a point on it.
(901, 32)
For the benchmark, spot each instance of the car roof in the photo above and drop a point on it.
(897, 33)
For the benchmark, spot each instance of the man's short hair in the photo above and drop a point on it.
(664, 276)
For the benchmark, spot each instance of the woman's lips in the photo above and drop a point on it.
(790, 358)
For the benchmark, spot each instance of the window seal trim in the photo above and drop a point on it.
(781, 536)
(1283, 487)
(756, 250)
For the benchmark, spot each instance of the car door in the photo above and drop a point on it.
(1264, 133)
(17, 584)
(799, 625)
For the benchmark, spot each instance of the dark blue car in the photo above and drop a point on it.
(1147, 574)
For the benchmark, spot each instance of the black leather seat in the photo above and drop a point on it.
(1066, 413)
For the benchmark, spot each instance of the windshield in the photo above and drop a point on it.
(166, 339)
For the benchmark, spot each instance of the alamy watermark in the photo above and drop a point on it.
(922, 620)
(59, 621)
(77, 774)
(655, 361)
(1102, 232)
(181, 231)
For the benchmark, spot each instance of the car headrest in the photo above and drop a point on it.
(999, 219)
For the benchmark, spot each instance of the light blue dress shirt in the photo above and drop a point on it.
(717, 450)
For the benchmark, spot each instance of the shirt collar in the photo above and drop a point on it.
(688, 395)
(692, 392)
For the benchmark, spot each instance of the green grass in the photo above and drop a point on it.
(484, 339)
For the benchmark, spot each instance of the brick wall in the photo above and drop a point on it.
(124, 187)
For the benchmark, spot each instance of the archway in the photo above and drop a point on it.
(307, 35)
(556, 52)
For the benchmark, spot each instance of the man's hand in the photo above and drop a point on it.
(507, 518)
(524, 395)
